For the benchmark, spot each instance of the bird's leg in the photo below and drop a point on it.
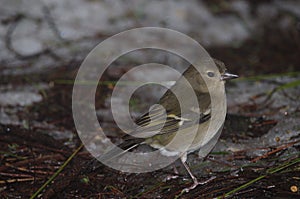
(196, 182)
(175, 170)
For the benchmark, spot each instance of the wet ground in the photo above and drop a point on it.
(43, 45)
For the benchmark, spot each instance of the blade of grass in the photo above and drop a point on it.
(282, 87)
(269, 76)
(269, 171)
(126, 83)
(56, 173)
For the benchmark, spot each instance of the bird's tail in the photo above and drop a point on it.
(115, 152)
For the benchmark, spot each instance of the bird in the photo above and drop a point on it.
(158, 127)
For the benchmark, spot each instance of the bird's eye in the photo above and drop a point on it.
(210, 74)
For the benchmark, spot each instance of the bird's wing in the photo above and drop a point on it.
(166, 117)
(159, 121)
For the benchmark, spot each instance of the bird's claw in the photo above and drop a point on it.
(196, 183)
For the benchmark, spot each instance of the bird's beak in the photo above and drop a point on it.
(228, 76)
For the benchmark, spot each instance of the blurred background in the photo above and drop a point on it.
(44, 42)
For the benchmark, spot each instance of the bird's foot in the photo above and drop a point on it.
(171, 177)
(196, 183)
